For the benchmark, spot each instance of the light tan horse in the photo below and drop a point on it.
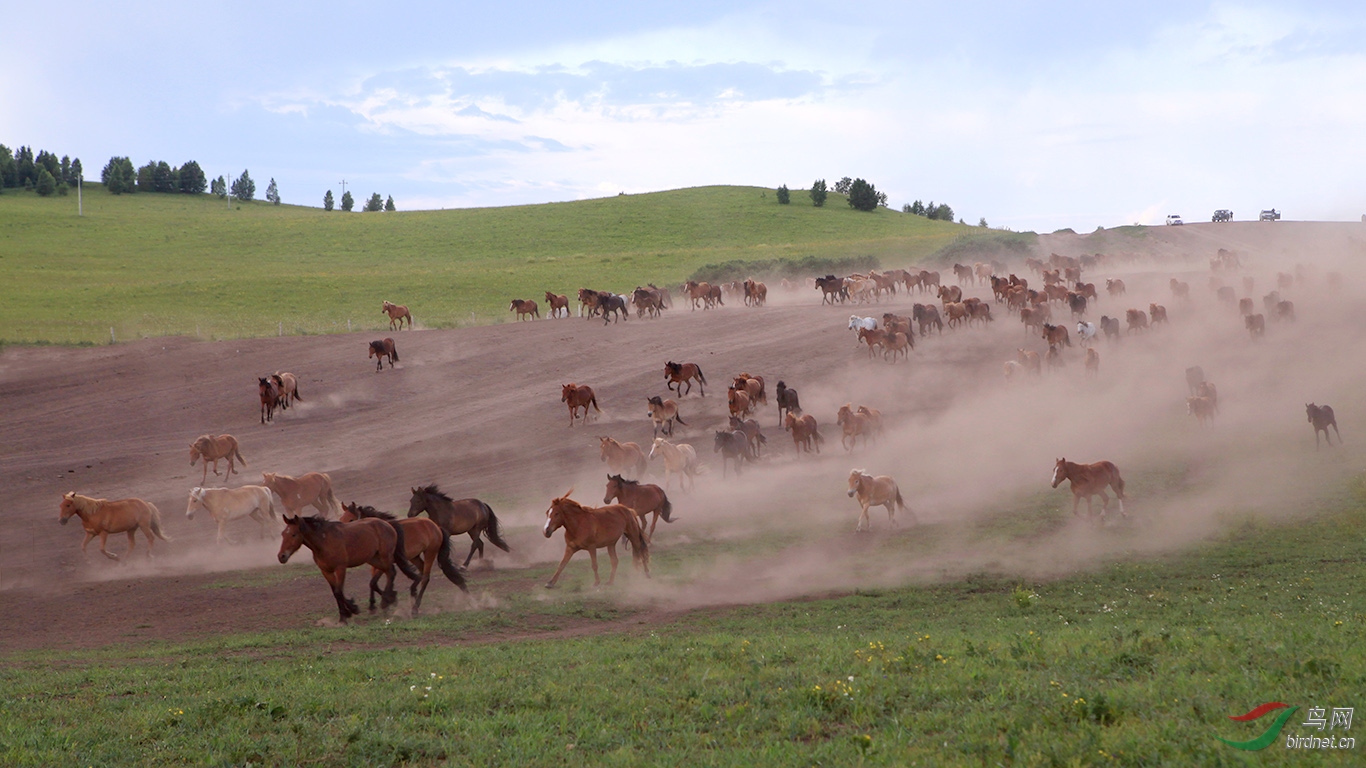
(622, 458)
(211, 448)
(397, 314)
(880, 491)
(679, 460)
(228, 504)
(854, 425)
(288, 384)
(1090, 480)
(663, 412)
(314, 488)
(101, 517)
(592, 528)
(577, 396)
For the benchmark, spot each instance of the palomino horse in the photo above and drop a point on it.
(678, 374)
(577, 396)
(804, 432)
(424, 544)
(880, 491)
(557, 302)
(381, 349)
(663, 413)
(288, 384)
(270, 398)
(313, 489)
(591, 528)
(1090, 480)
(622, 457)
(733, 445)
(101, 517)
(643, 498)
(679, 460)
(228, 504)
(211, 448)
(338, 546)
(1321, 416)
(526, 309)
(787, 401)
(397, 314)
(470, 516)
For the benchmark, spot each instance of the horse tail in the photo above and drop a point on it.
(594, 401)
(332, 502)
(640, 546)
(700, 377)
(678, 417)
(400, 556)
(297, 396)
(1117, 482)
(155, 523)
(237, 454)
(491, 529)
(900, 502)
(393, 352)
(667, 509)
(443, 558)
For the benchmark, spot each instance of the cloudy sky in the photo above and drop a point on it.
(1035, 115)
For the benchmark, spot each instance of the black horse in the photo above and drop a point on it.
(1321, 416)
(733, 445)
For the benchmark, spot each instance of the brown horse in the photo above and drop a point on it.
(557, 302)
(313, 489)
(752, 431)
(1056, 335)
(643, 498)
(101, 517)
(589, 299)
(525, 309)
(397, 314)
(622, 457)
(1090, 480)
(270, 398)
(787, 401)
(1092, 361)
(577, 396)
(738, 401)
(1158, 313)
(424, 544)
(880, 491)
(1255, 324)
(804, 432)
(591, 528)
(1321, 416)
(470, 516)
(381, 349)
(211, 448)
(698, 293)
(678, 374)
(1202, 408)
(754, 385)
(663, 413)
(854, 425)
(289, 388)
(733, 445)
(338, 546)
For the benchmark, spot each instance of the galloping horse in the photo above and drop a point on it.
(733, 445)
(424, 543)
(1090, 480)
(854, 425)
(525, 309)
(470, 516)
(664, 413)
(270, 398)
(1321, 416)
(557, 302)
(643, 498)
(314, 488)
(101, 517)
(880, 491)
(679, 459)
(577, 396)
(622, 457)
(678, 374)
(215, 447)
(752, 431)
(804, 431)
(338, 546)
(591, 528)
(397, 314)
(381, 349)
(787, 401)
(228, 504)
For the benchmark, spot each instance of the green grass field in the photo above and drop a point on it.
(151, 265)
(1139, 663)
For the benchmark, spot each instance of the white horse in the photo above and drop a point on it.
(1086, 332)
(679, 459)
(227, 504)
(857, 323)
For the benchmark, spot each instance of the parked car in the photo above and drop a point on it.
(1174, 220)
(1271, 215)
(1223, 214)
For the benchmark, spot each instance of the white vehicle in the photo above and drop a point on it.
(1271, 215)
(1174, 220)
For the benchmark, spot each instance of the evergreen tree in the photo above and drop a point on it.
(219, 187)
(862, 196)
(327, 201)
(843, 186)
(118, 176)
(348, 202)
(163, 178)
(76, 172)
(982, 222)
(389, 204)
(244, 188)
(65, 176)
(272, 192)
(375, 203)
(28, 172)
(47, 183)
(49, 161)
(818, 193)
(784, 195)
(9, 173)
(190, 180)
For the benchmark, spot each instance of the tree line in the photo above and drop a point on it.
(863, 196)
(43, 172)
(348, 203)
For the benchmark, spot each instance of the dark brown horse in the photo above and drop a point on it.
(787, 401)
(752, 431)
(577, 396)
(338, 546)
(470, 516)
(381, 349)
(1321, 416)
(270, 398)
(642, 498)
(733, 445)
(591, 528)
(678, 374)
(424, 544)
(1090, 480)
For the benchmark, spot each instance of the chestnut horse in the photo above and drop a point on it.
(101, 517)
(622, 457)
(424, 544)
(525, 309)
(1090, 480)
(752, 431)
(678, 374)
(591, 528)
(557, 302)
(470, 516)
(854, 425)
(804, 432)
(270, 398)
(381, 349)
(643, 498)
(338, 546)
(1321, 416)
(397, 314)
(577, 396)
(313, 489)
(880, 491)
(215, 447)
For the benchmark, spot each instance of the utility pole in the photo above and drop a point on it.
(343, 186)
(80, 208)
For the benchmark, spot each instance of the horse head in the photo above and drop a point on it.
(1059, 472)
(69, 508)
(1311, 411)
(565, 391)
(291, 538)
(856, 477)
(196, 499)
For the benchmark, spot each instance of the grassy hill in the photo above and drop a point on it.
(150, 265)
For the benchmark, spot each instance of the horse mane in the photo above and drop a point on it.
(432, 490)
(622, 480)
(313, 522)
(362, 510)
(83, 503)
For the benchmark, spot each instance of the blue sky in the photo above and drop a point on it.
(1035, 115)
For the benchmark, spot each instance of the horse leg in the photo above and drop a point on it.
(222, 531)
(612, 555)
(1076, 502)
(374, 586)
(891, 512)
(412, 590)
(88, 537)
(653, 523)
(389, 597)
(568, 553)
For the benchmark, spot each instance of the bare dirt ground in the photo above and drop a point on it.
(478, 411)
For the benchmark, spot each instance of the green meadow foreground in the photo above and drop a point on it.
(1136, 664)
(157, 265)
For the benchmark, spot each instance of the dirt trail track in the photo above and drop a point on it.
(476, 410)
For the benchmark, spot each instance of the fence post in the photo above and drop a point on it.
(282, 328)
(111, 334)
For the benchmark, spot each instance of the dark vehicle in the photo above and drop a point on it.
(1223, 214)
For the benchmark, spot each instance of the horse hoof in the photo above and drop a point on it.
(551, 585)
